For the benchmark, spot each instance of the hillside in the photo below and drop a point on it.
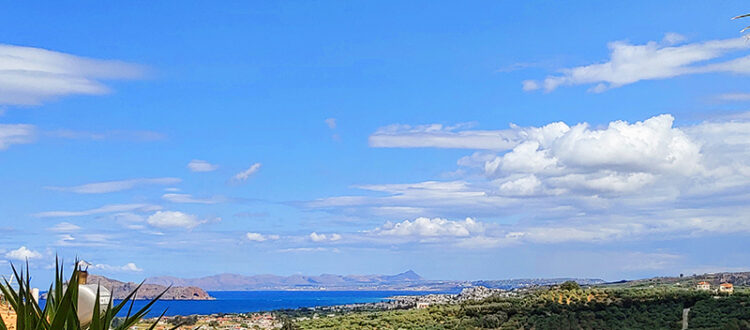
(120, 290)
(736, 278)
(560, 307)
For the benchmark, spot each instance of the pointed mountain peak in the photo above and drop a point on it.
(409, 275)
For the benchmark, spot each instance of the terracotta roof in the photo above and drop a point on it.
(702, 283)
(726, 285)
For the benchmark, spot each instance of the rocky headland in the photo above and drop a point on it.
(120, 290)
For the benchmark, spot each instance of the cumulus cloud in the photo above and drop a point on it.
(258, 237)
(630, 63)
(114, 186)
(16, 134)
(315, 237)
(431, 227)
(126, 268)
(244, 175)
(197, 165)
(622, 157)
(173, 219)
(564, 182)
(439, 136)
(23, 254)
(112, 208)
(30, 76)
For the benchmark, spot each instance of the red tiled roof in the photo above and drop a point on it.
(726, 285)
(702, 283)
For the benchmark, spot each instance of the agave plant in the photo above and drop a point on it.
(60, 311)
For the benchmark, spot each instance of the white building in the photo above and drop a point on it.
(703, 286)
(726, 287)
(422, 305)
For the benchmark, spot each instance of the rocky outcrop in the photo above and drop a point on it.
(120, 290)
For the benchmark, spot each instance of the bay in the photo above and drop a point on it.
(256, 301)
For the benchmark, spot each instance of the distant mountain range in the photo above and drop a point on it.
(235, 282)
(406, 281)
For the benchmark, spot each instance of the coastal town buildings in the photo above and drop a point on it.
(726, 288)
(703, 286)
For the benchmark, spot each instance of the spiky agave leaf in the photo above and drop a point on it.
(60, 311)
(131, 320)
(743, 16)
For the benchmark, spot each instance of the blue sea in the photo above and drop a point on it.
(255, 301)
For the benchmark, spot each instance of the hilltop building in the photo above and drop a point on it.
(703, 286)
(726, 287)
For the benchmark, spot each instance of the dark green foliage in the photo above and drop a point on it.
(184, 320)
(726, 313)
(649, 308)
(570, 285)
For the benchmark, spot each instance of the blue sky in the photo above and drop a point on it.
(472, 141)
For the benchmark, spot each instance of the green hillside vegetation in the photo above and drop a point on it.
(558, 308)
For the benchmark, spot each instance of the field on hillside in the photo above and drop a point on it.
(556, 308)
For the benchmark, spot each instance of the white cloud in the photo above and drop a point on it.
(112, 208)
(439, 136)
(114, 186)
(258, 237)
(620, 181)
(126, 268)
(23, 254)
(173, 219)
(315, 237)
(86, 240)
(622, 157)
(331, 123)
(65, 227)
(16, 134)
(530, 85)
(197, 165)
(672, 38)
(632, 63)
(431, 227)
(30, 76)
(187, 198)
(244, 175)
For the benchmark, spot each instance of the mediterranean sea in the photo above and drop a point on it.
(256, 301)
